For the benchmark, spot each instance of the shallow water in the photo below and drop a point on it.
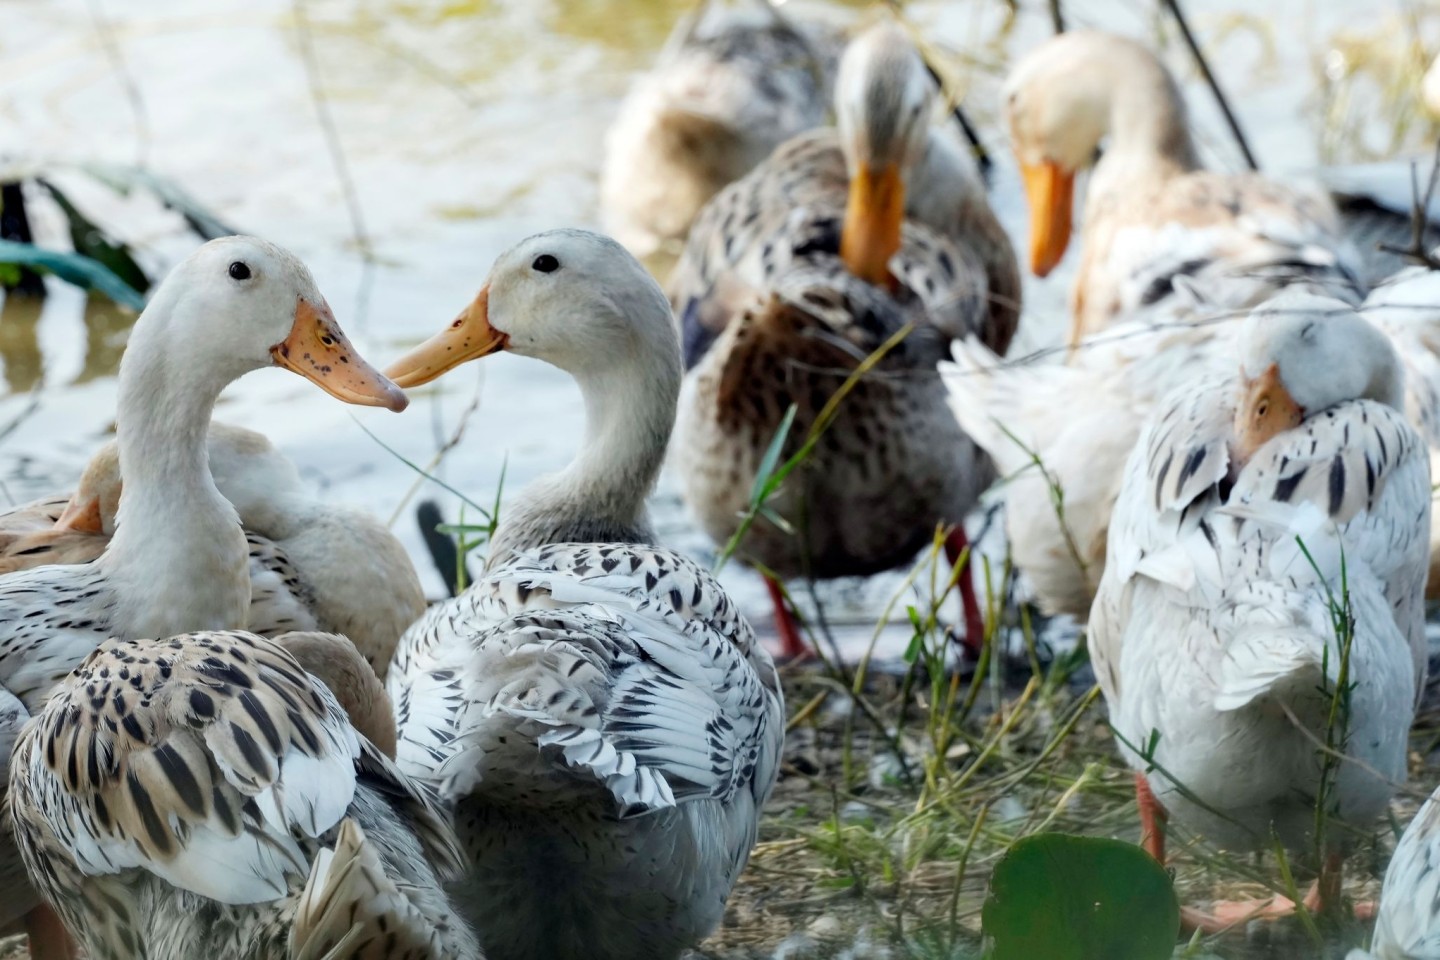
(465, 126)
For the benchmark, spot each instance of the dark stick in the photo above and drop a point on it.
(1057, 19)
(443, 550)
(15, 225)
(1419, 218)
(982, 156)
(1190, 42)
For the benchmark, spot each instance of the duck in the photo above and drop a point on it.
(594, 709)
(1059, 434)
(729, 86)
(314, 565)
(231, 808)
(842, 239)
(1258, 510)
(1407, 924)
(1153, 213)
(177, 561)
(1404, 307)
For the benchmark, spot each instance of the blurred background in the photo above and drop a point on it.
(399, 145)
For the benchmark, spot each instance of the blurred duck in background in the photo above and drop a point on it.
(730, 85)
(845, 240)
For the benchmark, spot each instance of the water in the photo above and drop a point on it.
(464, 126)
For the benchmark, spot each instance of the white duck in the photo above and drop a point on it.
(202, 796)
(177, 561)
(1080, 421)
(1212, 628)
(1407, 308)
(314, 565)
(1408, 924)
(1152, 213)
(729, 87)
(595, 708)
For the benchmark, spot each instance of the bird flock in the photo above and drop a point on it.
(233, 729)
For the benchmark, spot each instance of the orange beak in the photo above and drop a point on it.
(1051, 193)
(873, 215)
(1266, 410)
(468, 337)
(319, 351)
(81, 516)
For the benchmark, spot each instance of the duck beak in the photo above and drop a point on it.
(1051, 193)
(320, 352)
(468, 337)
(1266, 409)
(81, 516)
(873, 215)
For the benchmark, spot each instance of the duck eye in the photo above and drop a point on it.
(546, 263)
(239, 270)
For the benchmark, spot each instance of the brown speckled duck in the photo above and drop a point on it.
(314, 565)
(797, 272)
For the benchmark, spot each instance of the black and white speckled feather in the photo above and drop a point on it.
(174, 797)
(1211, 616)
(607, 728)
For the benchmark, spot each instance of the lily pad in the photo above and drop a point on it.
(72, 268)
(1066, 897)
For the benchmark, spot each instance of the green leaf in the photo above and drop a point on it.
(772, 456)
(1066, 897)
(90, 241)
(72, 268)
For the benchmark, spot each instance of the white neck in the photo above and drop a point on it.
(600, 496)
(1146, 119)
(178, 557)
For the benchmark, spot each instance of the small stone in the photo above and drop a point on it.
(826, 927)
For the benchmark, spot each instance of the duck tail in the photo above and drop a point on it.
(351, 909)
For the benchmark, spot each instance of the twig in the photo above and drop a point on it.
(337, 157)
(1057, 19)
(1230, 119)
(1419, 218)
(106, 32)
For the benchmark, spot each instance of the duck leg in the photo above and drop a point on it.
(1322, 897)
(1153, 819)
(47, 935)
(957, 546)
(792, 644)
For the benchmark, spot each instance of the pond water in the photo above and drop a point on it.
(466, 125)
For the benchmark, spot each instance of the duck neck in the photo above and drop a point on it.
(178, 554)
(1148, 126)
(600, 496)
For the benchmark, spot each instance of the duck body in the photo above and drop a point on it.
(177, 561)
(597, 714)
(1212, 630)
(228, 810)
(774, 312)
(1081, 419)
(313, 565)
(728, 88)
(571, 707)
(1408, 924)
(893, 463)
(1404, 308)
(1153, 216)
